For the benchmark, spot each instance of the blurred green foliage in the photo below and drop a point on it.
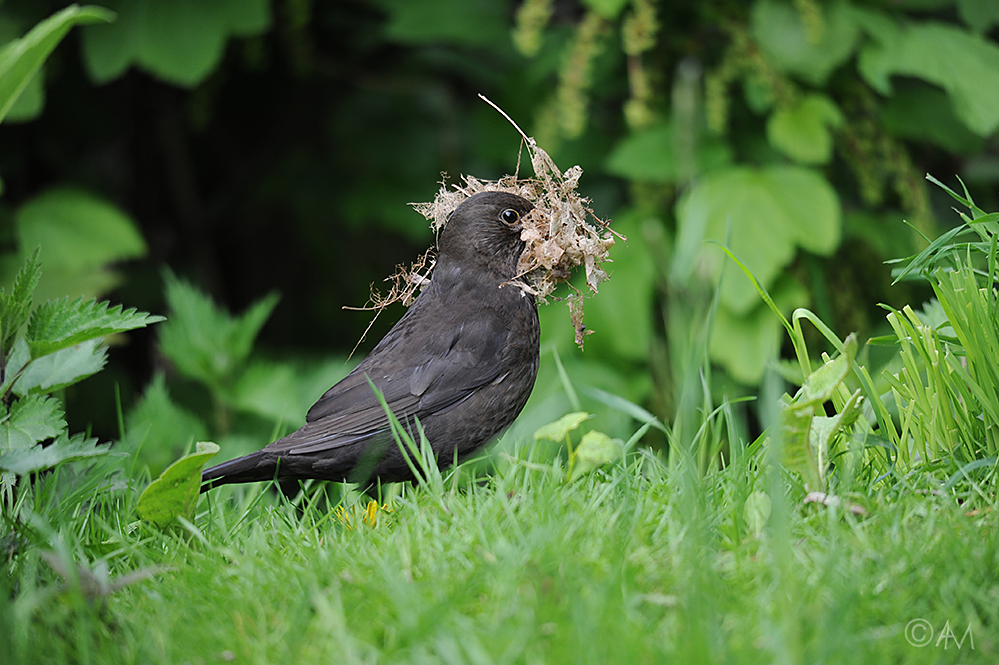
(257, 147)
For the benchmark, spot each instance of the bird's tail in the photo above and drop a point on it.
(247, 469)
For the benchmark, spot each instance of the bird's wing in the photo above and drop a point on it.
(416, 375)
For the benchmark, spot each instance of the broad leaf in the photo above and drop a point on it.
(622, 316)
(58, 324)
(745, 343)
(924, 113)
(963, 64)
(595, 450)
(38, 458)
(980, 15)
(178, 41)
(30, 420)
(756, 511)
(76, 230)
(782, 35)
(63, 368)
(820, 384)
(21, 59)
(772, 210)
(657, 155)
(609, 9)
(803, 131)
(805, 443)
(558, 430)
(175, 493)
(467, 22)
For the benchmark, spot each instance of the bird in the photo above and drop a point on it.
(462, 361)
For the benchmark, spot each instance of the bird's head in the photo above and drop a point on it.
(484, 232)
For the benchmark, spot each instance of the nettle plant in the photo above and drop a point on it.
(43, 350)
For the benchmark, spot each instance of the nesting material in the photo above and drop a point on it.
(561, 233)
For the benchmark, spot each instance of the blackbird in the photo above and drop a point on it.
(462, 360)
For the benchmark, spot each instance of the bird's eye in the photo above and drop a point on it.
(510, 216)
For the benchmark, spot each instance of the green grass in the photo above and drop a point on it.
(635, 563)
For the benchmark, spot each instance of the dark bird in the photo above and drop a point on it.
(462, 360)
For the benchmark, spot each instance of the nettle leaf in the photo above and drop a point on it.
(158, 429)
(779, 31)
(63, 368)
(15, 307)
(802, 132)
(175, 493)
(772, 210)
(63, 449)
(179, 41)
(963, 64)
(30, 420)
(205, 342)
(59, 324)
(21, 59)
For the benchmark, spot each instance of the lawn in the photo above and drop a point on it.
(637, 562)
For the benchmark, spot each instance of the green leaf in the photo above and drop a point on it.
(781, 34)
(657, 155)
(980, 15)
(30, 102)
(923, 113)
(820, 384)
(464, 22)
(756, 511)
(773, 210)
(178, 41)
(826, 428)
(963, 64)
(21, 59)
(268, 389)
(802, 132)
(205, 342)
(175, 493)
(609, 9)
(158, 430)
(745, 343)
(58, 324)
(15, 308)
(595, 450)
(622, 317)
(30, 420)
(76, 230)
(558, 430)
(805, 441)
(63, 368)
(63, 449)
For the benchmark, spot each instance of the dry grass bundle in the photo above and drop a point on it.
(561, 233)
